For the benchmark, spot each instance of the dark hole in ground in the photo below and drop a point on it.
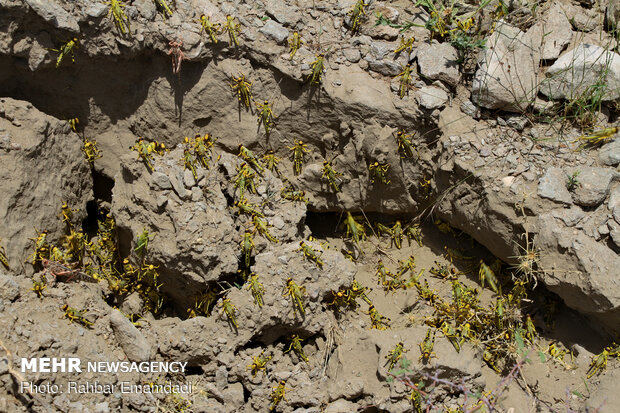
(89, 224)
(102, 186)
(194, 371)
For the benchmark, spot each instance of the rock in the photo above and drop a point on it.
(353, 55)
(54, 14)
(555, 28)
(580, 270)
(340, 406)
(431, 97)
(96, 10)
(9, 290)
(614, 203)
(284, 13)
(275, 31)
(130, 339)
(606, 397)
(47, 170)
(439, 61)
(570, 216)
(468, 108)
(612, 14)
(581, 68)
(146, 8)
(609, 154)
(594, 185)
(507, 77)
(552, 185)
(160, 181)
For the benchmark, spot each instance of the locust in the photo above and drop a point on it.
(162, 6)
(356, 14)
(378, 171)
(294, 43)
(277, 395)
(120, 18)
(212, 29)
(233, 28)
(295, 346)
(377, 320)
(296, 293)
(405, 145)
(66, 213)
(331, 175)
(41, 248)
(91, 151)
(143, 243)
(355, 230)
(382, 229)
(265, 116)
(426, 347)
(3, 258)
(248, 156)
(38, 287)
(67, 48)
(245, 180)
(383, 273)
(425, 292)
(243, 89)
(451, 334)
(311, 254)
(249, 209)
(271, 161)
(486, 274)
(413, 232)
(405, 266)
(293, 195)
(258, 363)
(299, 150)
(73, 314)
(74, 124)
(256, 288)
(597, 137)
(318, 67)
(599, 363)
(397, 235)
(395, 354)
(405, 81)
(247, 246)
(262, 228)
(144, 152)
(202, 148)
(405, 45)
(230, 311)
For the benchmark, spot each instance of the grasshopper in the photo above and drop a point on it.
(405, 266)
(144, 152)
(262, 227)
(271, 161)
(248, 156)
(256, 288)
(383, 273)
(202, 149)
(299, 150)
(296, 293)
(265, 116)
(405, 45)
(378, 171)
(243, 89)
(426, 347)
(143, 243)
(212, 29)
(318, 67)
(377, 320)
(73, 314)
(294, 43)
(66, 49)
(3, 258)
(245, 180)
(120, 18)
(249, 209)
(405, 145)
(405, 81)
(90, 150)
(413, 232)
(233, 28)
(396, 354)
(258, 363)
(163, 8)
(355, 230)
(38, 287)
(397, 235)
(486, 274)
(293, 195)
(332, 176)
(356, 14)
(297, 348)
(230, 311)
(597, 137)
(277, 395)
(310, 254)
(247, 246)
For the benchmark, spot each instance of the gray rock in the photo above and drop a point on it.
(96, 10)
(54, 14)
(614, 232)
(431, 97)
(160, 180)
(468, 108)
(612, 14)
(552, 185)
(130, 339)
(438, 61)
(556, 32)
(341, 406)
(581, 68)
(507, 77)
(570, 216)
(614, 203)
(146, 8)
(385, 67)
(275, 31)
(9, 290)
(283, 12)
(606, 397)
(594, 185)
(379, 50)
(609, 154)
(353, 55)
(517, 122)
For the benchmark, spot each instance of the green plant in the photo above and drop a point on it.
(572, 182)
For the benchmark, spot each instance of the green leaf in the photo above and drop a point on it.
(576, 393)
(542, 356)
